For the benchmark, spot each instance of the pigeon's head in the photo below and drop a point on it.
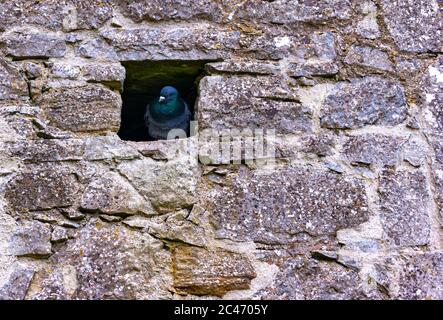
(168, 94)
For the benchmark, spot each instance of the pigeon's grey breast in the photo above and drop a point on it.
(160, 130)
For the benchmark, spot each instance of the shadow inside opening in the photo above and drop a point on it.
(144, 80)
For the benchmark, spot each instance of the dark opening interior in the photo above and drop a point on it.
(144, 80)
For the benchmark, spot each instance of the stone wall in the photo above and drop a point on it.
(352, 208)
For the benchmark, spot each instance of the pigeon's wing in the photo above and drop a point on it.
(182, 121)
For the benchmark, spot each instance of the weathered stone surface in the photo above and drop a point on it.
(180, 43)
(59, 234)
(257, 103)
(313, 68)
(109, 74)
(415, 153)
(369, 57)
(371, 100)
(286, 11)
(373, 149)
(12, 83)
(416, 26)
(46, 150)
(406, 68)
(65, 71)
(166, 149)
(203, 272)
(159, 10)
(107, 262)
(437, 174)
(315, 56)
(109, 147)
(368, 27)
(320, 145)
(67, 14)
(291, 12)
(112, 194)
(42, 187)
(337, 205)
(404, 203)
(17, 285)
(97, 49)
(168, 185)
(273, 208)
(432, 97)
(17, 122)
(242, 67)
(301, 278)
(279, 12)
(8, 226)
(32, 70)
(32, 239)
(23, 44)
(72, 214)
(421, 276)
(412, 276)
(86, 108)
(177, 226)
(86, 14)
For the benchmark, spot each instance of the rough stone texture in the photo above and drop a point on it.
(273, 104)
(200, 43)
(111, 75)
(32, 239)
(156, 10)
(242, 67)
(437, 174)
(68, 15)
(320, 145)
(404, 202)
(368, 57)
(202, 272)
(85, 108)
(276, 207)
(107, 262)
(432, 95)
(298, 277)
(17, 284)
(17, 122)
(432, 99)
(168, 186)
(318, 59)
(38, 151)
(42, 187)
(24, 44)
(421, 277)
(59, 234)
(348, 207)
(108, 147)
(97, 49)
(368, 26)
(373, 149)
(12, 84)
(371, 100)
(182, 226)
(281, 11)
(414, 153)
(112, 194)
(415, 26)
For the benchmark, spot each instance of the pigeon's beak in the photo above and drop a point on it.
(161, 99)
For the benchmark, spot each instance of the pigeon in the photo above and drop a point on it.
(168, 111)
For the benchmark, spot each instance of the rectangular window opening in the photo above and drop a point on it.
(144, 80)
